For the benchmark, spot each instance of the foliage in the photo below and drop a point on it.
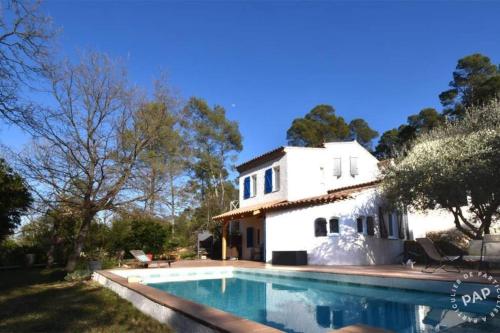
(86, 146)
(139, 232)
(394, 141)
(12, 253)
(321, 125)
(78, 275)
(360, 131)
(163, 164)
(475, 81)
(318, 126)
(454, 237)
(456, 167)
(15, 199)
(215, 141)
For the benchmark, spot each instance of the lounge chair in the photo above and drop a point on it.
(474, 252)
(484, 251)
(434, 256)
(146, 262)
(491, 250)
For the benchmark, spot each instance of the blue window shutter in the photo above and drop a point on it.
(246, 188)
(268, 181)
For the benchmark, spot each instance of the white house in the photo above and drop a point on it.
(324, 201)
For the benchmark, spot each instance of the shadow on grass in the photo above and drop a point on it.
(40, 301)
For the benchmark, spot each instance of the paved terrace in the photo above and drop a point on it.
(393, 271)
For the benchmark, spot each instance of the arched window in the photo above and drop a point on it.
(334, 225)
(320, 227)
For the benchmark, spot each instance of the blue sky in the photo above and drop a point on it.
(270, 62)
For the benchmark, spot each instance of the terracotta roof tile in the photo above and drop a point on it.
(332, 195)
(280, 151)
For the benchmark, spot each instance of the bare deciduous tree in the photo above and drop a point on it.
(86, 145)
(24, 47)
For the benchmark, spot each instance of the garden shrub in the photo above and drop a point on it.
(139, 232)
(78, 275)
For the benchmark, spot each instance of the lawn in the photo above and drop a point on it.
(41, 301)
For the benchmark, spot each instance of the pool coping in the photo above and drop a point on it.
(213, 318)
(216, 320)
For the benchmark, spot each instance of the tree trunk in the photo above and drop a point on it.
(79, 242)
(52, 248)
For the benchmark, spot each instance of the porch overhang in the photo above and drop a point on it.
(248, 211)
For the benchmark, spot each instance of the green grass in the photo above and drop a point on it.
(41, 301)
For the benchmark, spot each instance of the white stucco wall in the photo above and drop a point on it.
(293, 230)
(259, 171)
(310, 170)
(306, 172)
(420, 223)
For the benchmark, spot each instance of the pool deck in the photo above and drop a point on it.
(393, 271)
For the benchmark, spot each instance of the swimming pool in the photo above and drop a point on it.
(305, 304)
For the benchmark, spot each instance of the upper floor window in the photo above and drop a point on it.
(334, 225)
(249, 186)
(337, 167)
(320, 227)
(246, 188)
(272, 180)
(276, 178)
(354, 166)
(253, 186)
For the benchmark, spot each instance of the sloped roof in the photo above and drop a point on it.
(247, 211)
(280, 151)
(332, 195)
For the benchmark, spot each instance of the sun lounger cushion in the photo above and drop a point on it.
(143, 258)
(471, 258)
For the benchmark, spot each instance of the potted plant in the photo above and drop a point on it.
(95, 259)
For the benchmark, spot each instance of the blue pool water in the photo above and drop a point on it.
(304, 305)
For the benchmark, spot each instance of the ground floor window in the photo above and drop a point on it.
(334, 225)
(359, 224)
(320, 227)
(370, 226)
(393, 225)
(249, 237)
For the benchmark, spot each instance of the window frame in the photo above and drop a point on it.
(276, 178)
(253, 186)
(392, 225)
(320, 219)
(372, 227)
(362, 224)
(268, 189)
(354, 167)
(330, 233)
(339, 161)
(247, 180)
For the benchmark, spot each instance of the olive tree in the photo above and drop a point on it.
(456, 167)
